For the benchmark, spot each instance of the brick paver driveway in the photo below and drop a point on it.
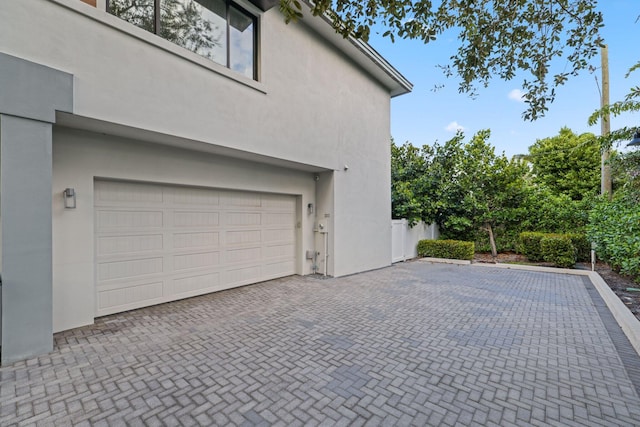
(414, 344)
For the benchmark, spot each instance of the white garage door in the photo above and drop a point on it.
(159, 243)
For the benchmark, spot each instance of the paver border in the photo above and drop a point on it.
(629, 324)
(610, 308)
(446, 260)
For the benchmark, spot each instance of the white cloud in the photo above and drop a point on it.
(516, 95)
(453, 127)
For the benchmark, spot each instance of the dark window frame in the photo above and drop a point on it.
(256, 29)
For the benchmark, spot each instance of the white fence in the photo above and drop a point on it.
(404, 239)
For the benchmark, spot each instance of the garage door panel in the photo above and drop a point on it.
(278, 251)
(110, 270)
(129, 244)
(278, 218)
(205, 282)
(279, 269)
(196, 240)
(242, 219)
(129, 194)
(243, 275)
(245, 255)
(128, 219)
(278, 235)
(242, 199)
(279, 202)
(196, 219)
(176, 242)
(243, 237)
(197, 260)
(195, 196)
(125, 298)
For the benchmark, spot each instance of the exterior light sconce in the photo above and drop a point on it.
(69, 195)
(310, 208)
(636, 140)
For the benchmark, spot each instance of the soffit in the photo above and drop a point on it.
(360, 52)
(101, 127)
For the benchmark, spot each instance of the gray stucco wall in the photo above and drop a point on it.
(26, 237)
(80, 156)
(31, 94)
(313, 105)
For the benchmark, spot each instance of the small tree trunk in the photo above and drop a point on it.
(492, 242)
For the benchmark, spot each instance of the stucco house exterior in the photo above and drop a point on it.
(145, 158)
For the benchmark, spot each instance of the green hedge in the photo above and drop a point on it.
(561, 249)
(558, 249)
(615, 228)
(530, 245)
(450, 249)
(506, 241)
(582, 245)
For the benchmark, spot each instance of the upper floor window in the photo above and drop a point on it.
(216, 29)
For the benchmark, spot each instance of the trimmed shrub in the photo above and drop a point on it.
(451, 249)
(582, 245)
(615, 227)
(506, 241)
(558, 249)
(530, 245)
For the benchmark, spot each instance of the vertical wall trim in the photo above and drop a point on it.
(26, 168)
(31, 95)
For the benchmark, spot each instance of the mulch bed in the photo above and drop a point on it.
(618, 284)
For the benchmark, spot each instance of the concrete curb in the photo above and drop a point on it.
(629, 324)
(627, 321)
(535, 268)
(446, 261)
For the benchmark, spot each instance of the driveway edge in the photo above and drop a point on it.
(629, 324)
(446, 261)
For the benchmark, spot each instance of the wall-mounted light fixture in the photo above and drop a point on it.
(310, 208)
(69, 195)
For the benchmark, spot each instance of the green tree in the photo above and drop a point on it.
(546, 40)
(626, 172)
(567, 163)
(548, 212)
(614, 225)
(486, 192)
(408, 169)
(465, 188)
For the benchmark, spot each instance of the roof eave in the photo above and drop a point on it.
(360, 52)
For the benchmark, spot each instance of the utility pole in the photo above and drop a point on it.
(605, 126)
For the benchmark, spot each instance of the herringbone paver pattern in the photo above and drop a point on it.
(414, 344)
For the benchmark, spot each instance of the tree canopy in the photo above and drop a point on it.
(465, 188)
(567, 163)
(472, 193)
(548, 40)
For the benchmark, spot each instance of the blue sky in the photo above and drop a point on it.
(425, 116)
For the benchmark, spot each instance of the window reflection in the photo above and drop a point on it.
(214, 29)
(199, 26)
(241, 34)
(138, 12)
